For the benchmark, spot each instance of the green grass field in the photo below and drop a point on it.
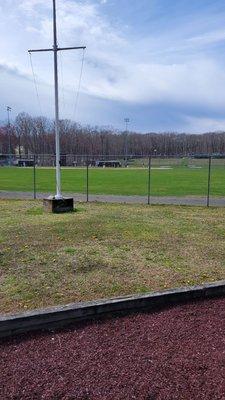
(179, 181)
(104, 250)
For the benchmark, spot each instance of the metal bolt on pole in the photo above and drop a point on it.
(149, 178)
(209, 180)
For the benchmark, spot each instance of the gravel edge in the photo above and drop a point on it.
(132, 199)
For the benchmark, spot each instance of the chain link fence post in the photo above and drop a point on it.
(149, 178)
(87, 181)
(209, 180)
(34, 177)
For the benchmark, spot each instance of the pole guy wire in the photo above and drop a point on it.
(35, 84)
(79, 85)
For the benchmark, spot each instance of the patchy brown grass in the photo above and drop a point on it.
(104, 250)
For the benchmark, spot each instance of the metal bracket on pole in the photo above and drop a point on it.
(58, 49)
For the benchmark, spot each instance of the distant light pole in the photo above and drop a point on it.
(9, 109)
(126, 120)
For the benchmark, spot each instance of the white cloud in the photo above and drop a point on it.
(208, 37)
(13, 69)
(29, 5)
(204, 124)
(113, 69)
(134, 71)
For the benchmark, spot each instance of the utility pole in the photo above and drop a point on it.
(126, 120)
(9, 109)
(55, 51)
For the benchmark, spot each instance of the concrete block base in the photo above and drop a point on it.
(63, 205)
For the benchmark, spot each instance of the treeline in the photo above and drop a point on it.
(29, 135)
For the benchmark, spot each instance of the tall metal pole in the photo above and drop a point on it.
(55, 50)
(57, 139)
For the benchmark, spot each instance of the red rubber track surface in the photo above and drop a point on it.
(178, 353)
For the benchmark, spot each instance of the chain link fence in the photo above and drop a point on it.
(154, 179)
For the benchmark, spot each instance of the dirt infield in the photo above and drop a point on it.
(177, 353)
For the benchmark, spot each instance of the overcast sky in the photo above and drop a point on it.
(160, 63)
